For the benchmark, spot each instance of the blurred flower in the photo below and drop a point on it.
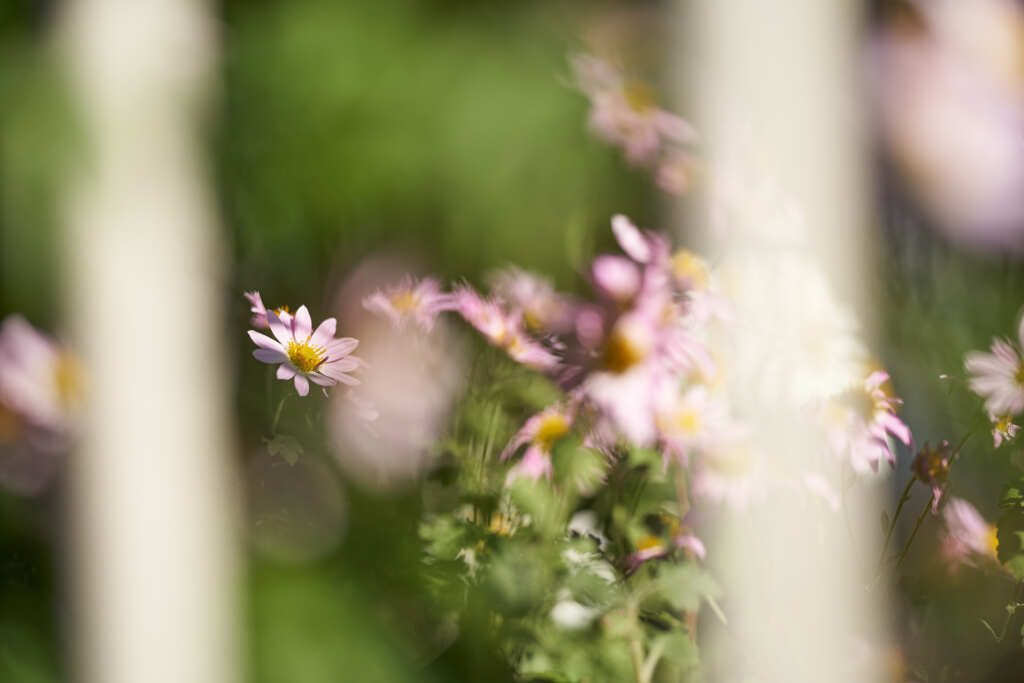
(410, 300)
(533, 299)
(732, 474)
(503, 330)
(409, 384)
(688, 421)
(40, 382)
(950, 99)
(676, 172)
(931, 465)
(259, 311)
(1003, 429)
(571, 615)
(998, 377)
(304, 354)
(859, 421)
(625, 113)
(616, 277)
(968, 536)
(820, 487)
(539, 434)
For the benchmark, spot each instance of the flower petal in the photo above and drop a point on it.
(286, 371)
(324, 333)
(301, 385)
(265, 342)
(268, 356)
(321, 379)
(279, 328)
(302, 324)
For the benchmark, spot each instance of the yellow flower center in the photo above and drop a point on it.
(552, 428)
(281, 309)
(306, 357)
(688, 266)
(992, 541)
(639, 96)
(687, 421)
(67, 378)
(623, 350)
(1003, 424)
(647, 542)
(403, 302)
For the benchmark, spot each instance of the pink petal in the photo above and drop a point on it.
(322, 380)
(630, 239)
(265, 342)
(302, 324)
(279, 329)
(341, 347)
(286, 371)
(324, 333)
(268, 356)
(301, 385)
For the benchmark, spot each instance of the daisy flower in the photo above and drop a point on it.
(306, 355)
(968, 536)
(40, 382)
(861, 420)
(503, 330)
(540, 433)
(410, 300)
(998, 377)
(1003, 429)
(259, 311)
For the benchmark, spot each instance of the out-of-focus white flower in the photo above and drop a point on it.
(571, 615)
(410, 300)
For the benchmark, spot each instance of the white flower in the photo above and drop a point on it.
(998, 377)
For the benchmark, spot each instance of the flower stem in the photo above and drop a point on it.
(920, 520)
(904, 497)
(277, 414)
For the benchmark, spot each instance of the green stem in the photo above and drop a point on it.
(277, 414)
(904, 497)
(920, 520)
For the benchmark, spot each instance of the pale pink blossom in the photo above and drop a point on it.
(305, 355)
(1003, 429)
(539, 434)
(259, 311)
(860, 421)
(503, 330)
(616, 277)
(533, 299)
(40, 381)
(624, 113)
(418, 302)
(688, 421)
(998, 377)
(969, 538)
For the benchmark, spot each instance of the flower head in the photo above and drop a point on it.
(540, 433)
(931, 465)
(306, 355)
(998, 377)
(503, 330)
(860, 420)
(40, 382)
(1003, 429)
(533, 299)
(259, 311)
(969, 538)
(409, 300)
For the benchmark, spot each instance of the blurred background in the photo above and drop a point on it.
(448, 132)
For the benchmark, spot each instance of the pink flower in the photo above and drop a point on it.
(259, 311)
(503, 330)
(859, 422)
(931, 465)
(539, 434)
(39, 381)
(410, 300)
(998, 377)
(305, 355)
(616, 277)
(1003, 429)
(533, 299)
(969, 537)
(642, 247)
(625, 114)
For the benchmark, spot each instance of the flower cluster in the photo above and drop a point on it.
(998, 378)
(625, 113)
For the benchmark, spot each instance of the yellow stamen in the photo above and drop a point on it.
(624, 349)
(405, 301)
(306, 357)
(67, 377)
(688, 266)
(639, 96)
(992, 541)
(552, 428)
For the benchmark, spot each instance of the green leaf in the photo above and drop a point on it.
(1016, 567)
(685, 585)
(1009, 530)
(1012, 497)
(287, 447)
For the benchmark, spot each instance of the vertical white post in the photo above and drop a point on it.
(154, 556)
(777, 86)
